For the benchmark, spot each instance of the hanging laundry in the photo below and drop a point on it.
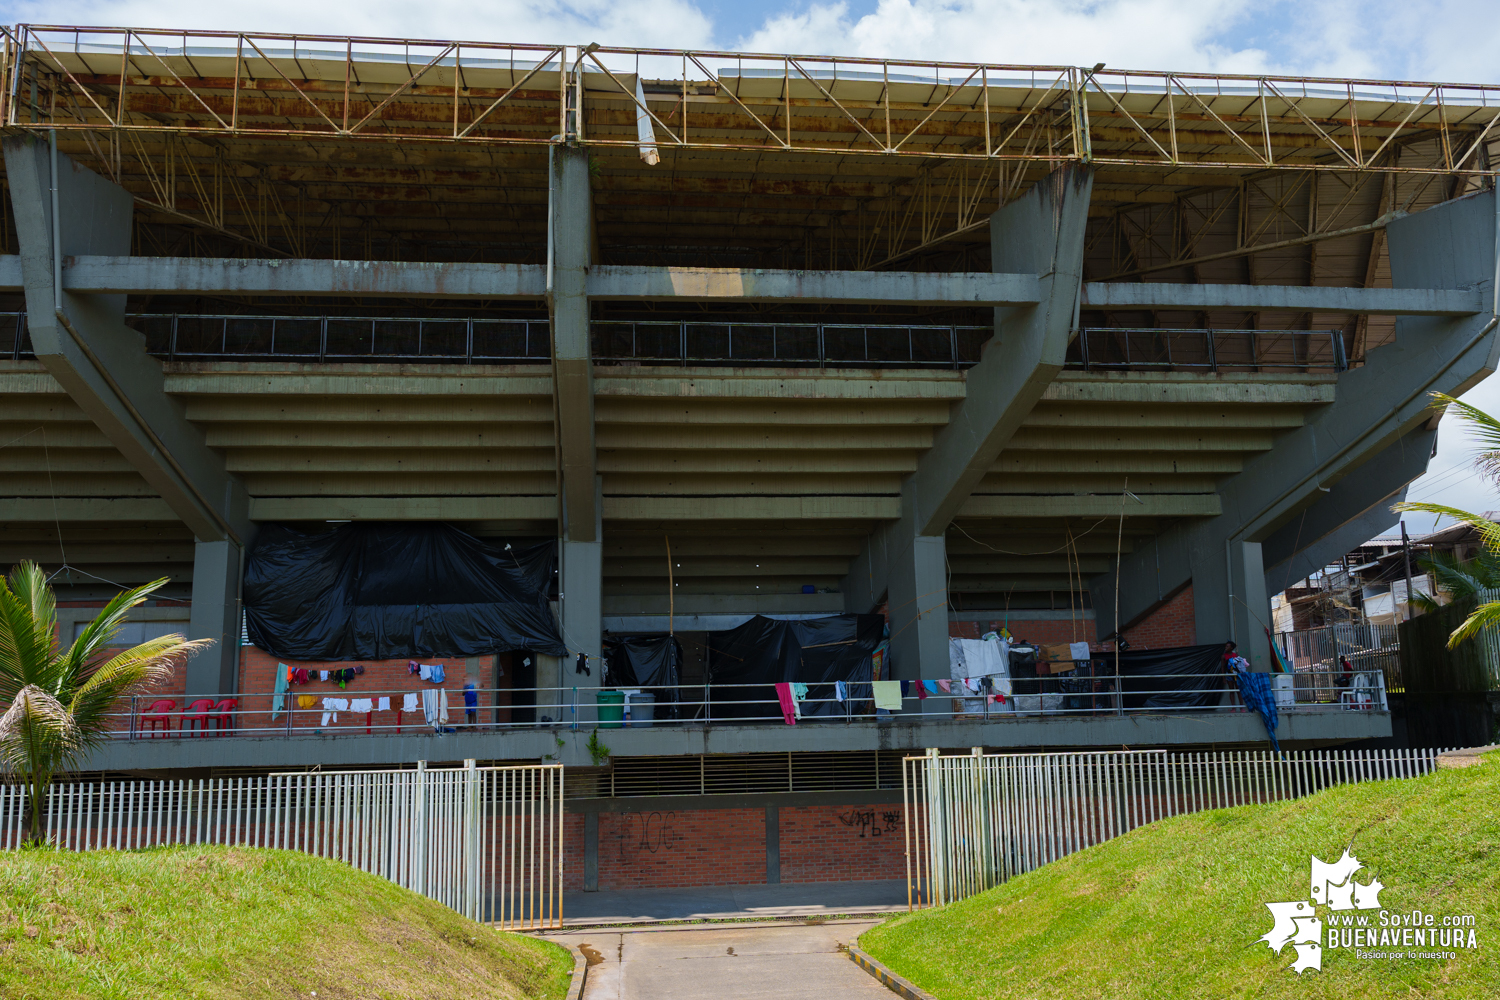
(278, 693)
(362, 705)
(384, 705)
(409, 702)
(303, 676)
(945, 686)
(905, 688)
(921, 687)
(1080, 650)
(841, 691)
(888, 694)
(788, 703)
(322, 675)
(412, 666)
(799, 694)
(424, 671)
(435, 707)
(306, 701)
(437, 675)
(332, 707)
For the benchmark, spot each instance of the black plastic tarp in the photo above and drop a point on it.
(744, 661)
(646, 662)
(1180, 677)
(378, 591)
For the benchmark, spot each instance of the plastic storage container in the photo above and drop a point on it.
(642, 710)
(611, 709)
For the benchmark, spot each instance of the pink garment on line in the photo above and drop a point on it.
(945, 686)
(788, 705)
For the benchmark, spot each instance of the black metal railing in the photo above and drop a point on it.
(450, 340)
(823, 345)
(1210, 350)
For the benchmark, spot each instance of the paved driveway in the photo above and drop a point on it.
(725, 962)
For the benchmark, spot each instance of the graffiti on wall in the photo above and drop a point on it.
(649, 832)
(871, 823)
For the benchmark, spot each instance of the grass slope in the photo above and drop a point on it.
(1175, 909)
(213, 922)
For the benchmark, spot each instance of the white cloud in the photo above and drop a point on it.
(1134, 34)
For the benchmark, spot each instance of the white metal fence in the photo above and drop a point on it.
(976, 820)
(486, 841)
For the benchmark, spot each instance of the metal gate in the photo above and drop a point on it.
(976, 820)
(486, 841)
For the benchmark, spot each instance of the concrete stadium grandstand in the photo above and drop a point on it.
(751, 371)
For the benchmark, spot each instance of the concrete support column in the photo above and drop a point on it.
(906, 560)
(215, 615)
(1248, 607)
(569, 252)
(582, 608)
(918, 609)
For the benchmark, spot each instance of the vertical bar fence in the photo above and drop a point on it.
(975, 821)
(484, 841)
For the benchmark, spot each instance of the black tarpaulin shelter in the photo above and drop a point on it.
(378, 591)
(743, 661)
(647, 662)
(1189, 679)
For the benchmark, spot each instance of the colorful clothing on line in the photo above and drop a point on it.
(789, 711)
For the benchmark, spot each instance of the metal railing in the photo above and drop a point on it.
(1315, 654)
(1090, 689)
(1211, 350)
(485, 841)
(975, 821)
(821, 344)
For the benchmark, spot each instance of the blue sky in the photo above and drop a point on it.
(1446, 40)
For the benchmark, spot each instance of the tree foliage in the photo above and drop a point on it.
(58, 698)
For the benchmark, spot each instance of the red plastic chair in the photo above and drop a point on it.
(158, 717)
(196, 715)
(223, 715)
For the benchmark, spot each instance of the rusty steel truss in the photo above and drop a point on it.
(110, 82)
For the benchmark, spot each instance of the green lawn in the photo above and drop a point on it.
(1175, 909)
(216, 922)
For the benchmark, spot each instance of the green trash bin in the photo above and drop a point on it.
(611, 709)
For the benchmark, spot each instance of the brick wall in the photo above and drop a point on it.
(1170, 625)
(666, 848)
(1059, 630)
(842, 843)
(389, 678)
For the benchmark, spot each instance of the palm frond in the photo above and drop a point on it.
(1486, 428)
(1485, 616)
(37, 734)
(1489, 531)
(128, 672)
(28, 632)
(100, 633)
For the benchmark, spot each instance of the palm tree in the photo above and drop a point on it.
(1457, 578)
(59, 698)
(1487, 428)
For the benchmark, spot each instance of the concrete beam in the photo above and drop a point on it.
(215, 613)
(1379, 404)
(629, 283)
(476, 508)
(569, 250)
(909, 732)
(1150, 505)
(750, 508)
(84, 343)
(1326, 530)
(581, 603)
(98, 509)
(1285, 298)
(106, 275)
(1041, 234)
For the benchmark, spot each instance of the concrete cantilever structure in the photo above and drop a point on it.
(829, 380)
(962, 346)
(1375, 422)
